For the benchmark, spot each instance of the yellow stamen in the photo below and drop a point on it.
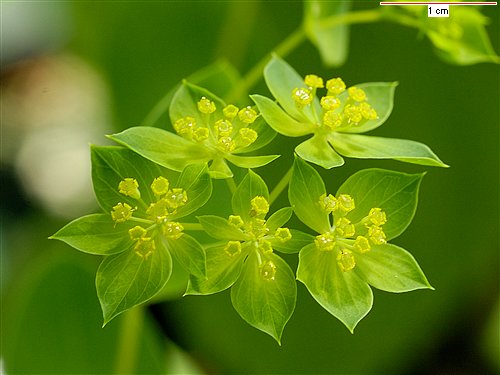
(230, 111)
(346, 203)
(361, 244)
(206, 106)
(377, 235)
(247, 115)
(335, 86)
(313, 81)
(260, 206)
(325, 242)
(159, 186)
(137, 232)
(121, 212)
(130, 188)
(356, 94)
(233, 248)
(236, 221)
(172, 230)
(328, 203)
(302, 97)
(377, 216)
(283, 234)
(345, 260)
(329, 103)
(268, 270)
(344, 227)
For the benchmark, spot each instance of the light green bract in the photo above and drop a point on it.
(351, 252)
(335, 120)
(263, 288)
(208, 131)
(139, 232)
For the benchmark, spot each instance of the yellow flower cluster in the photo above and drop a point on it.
(168, 200)
(348, 238)
(353, 110)
(225, 133)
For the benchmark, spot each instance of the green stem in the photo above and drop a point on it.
(231, 184)
(140, 220)
(192, 226)
(132, 324)
(282, 184)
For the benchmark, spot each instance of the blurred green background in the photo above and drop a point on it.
(74, 71)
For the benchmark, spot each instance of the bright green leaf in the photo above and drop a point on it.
(219, 169)
(391, 268)
(282, 79)
(279, 120)
(306, 186)
(331, 41)
(251, 161)
(317, 150)
(369, 147)
(265, 295)
(295, 244)
(198, 185)
(381, 97)
(395, 193)
(279, 218)
(162, 147)
(110, 165)
(189, 253)
(250, 187)
(218, 227)
(343, 294)
(96, 234)
(127, 279)
(222, 272)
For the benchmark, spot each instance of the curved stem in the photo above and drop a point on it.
(231, 184)
(280, 186)
(129, 337)
(192, 226)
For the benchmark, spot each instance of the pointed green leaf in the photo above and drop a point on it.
(306, 186)
(391, 268)
(395, 193)
(96, 234)
(317, 150)
(125, 280)
(198, 185)
(189, 253)
(110, 165)
(222, 272)
(265, 295)
(162, 147)
(279, 120)
(250, 187)
(282, 79)
(368, 147)
(295, 244)
(251, 161)
(381, 97)
(218, 227)
(343, 294)
(219, 169)
(185, 103)
(279, 218)
(331, 41)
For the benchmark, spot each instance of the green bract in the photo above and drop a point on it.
(139, 231)
(335, 120)
(263, 288)
(351, 251)
(207, 129)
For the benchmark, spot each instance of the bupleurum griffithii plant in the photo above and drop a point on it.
(152, 187)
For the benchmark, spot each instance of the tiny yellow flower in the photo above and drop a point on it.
(258, 227)
(377, 216)
(226, 144)
(224, 128)
(230, 111)
(172, 229)
(335, 86)
(302, 97)
(185, 125)
(158, 211)
(346, 203)
(356, 94)
(137, 232)
(265, 246)
(268, 270)
(332, 120)
(145, 247)
(159, 186)
(121, 213)
(260, 206)
(353, 114)
(325, 242)
(313, 81)
(329, 103)
(283, 234)
(176, 198)
(130, 188)
(206, 106)
(344, 227)
(361, 244)
(200, 134)
(367, 111)
(377, 235)
(247, 136)
(233, 248)
(236, 221)
(247, 115)
(328, 203)
(345, 260)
